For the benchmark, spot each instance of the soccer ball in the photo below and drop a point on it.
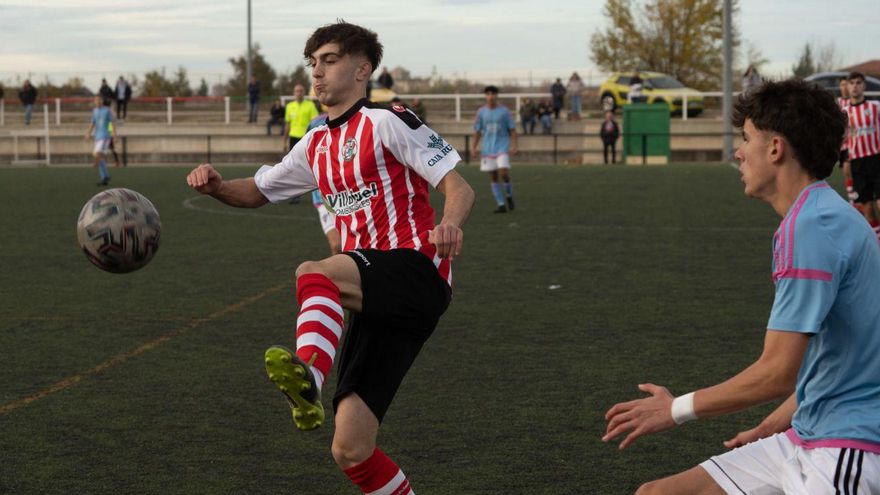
(118, 230)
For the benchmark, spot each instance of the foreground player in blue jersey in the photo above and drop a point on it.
(496, 128)
(823, 336)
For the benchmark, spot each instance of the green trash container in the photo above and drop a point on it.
(646, 134)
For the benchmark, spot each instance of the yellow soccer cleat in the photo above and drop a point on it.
(294, 377)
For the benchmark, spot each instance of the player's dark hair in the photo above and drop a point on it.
(805, 114)
(491, 89)
(351, 38)
(855, 75)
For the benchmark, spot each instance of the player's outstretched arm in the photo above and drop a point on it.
(777, 422)
(447, 236)
(242, 193)
(771, 377)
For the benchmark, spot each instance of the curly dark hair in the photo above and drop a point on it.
(805, 114)
(351, 38)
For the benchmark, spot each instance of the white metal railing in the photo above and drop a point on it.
(168, 108)
(39, 134)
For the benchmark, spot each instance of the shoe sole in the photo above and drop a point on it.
(288, 373)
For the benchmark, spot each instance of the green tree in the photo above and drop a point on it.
(260, 68)
(682, 38)
(180, 86)
(804, 66)
(203, 88)
(285, 82)
(156, 84)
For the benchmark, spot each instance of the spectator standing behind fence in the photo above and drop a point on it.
(574, 89)
(557, 91)
(297, 116)
(105, 91)
(276, 117)
(635, 94)
(528, 116)
(609, 132)
(385, 80)
(253, 90)
(751, 79)
(545, 113)
(123, 94)
(28, 96)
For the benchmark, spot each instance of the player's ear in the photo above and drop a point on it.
(364, 70)
(777, 148)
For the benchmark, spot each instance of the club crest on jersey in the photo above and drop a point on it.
(443, 149)
(348, 202)
(398, 108)
(349, 149)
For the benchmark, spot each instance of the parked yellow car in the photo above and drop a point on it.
(656, 88)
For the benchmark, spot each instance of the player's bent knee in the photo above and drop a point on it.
(649, 488)
(307, 267)
(349, 454)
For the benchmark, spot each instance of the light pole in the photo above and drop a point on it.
(247, 79)
(727, 98)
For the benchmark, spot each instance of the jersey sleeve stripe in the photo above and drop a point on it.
(805, 274)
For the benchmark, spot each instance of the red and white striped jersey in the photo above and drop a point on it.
(863, 131)
(372, 166)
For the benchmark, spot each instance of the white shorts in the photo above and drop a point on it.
(493, 163)
(101, 146)
(328, 220)
(775, 465)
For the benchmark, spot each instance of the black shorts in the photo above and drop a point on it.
(403, 299)
(866, 178)
(293, 141)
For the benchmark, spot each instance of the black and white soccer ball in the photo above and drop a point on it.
(118, 230)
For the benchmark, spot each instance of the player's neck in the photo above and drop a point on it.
(339, 109)
(789, 185)
(856, 100)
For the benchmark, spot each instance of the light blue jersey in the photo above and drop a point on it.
(826, 267)
(101, 119)
(495, 125)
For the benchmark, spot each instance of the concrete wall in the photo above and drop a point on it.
(243, 143)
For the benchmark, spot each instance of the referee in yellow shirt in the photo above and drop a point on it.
(297, 116)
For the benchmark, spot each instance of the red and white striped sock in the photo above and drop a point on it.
(319, 325)
(378, 475)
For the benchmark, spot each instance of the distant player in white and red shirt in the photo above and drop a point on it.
(863, 149)
(845, 165)
(373, 166)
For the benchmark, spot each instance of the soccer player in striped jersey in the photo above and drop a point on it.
(823, 335)
(843, 102)
(863, 149)
(495, 127)
(373, 166)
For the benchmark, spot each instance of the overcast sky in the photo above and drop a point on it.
(473, 38)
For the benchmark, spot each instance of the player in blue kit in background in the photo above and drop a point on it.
(100, 130)
(823, 335)
(496, 128)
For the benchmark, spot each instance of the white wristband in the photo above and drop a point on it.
(683, 409)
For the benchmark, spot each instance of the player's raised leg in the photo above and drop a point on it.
(323, 288)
